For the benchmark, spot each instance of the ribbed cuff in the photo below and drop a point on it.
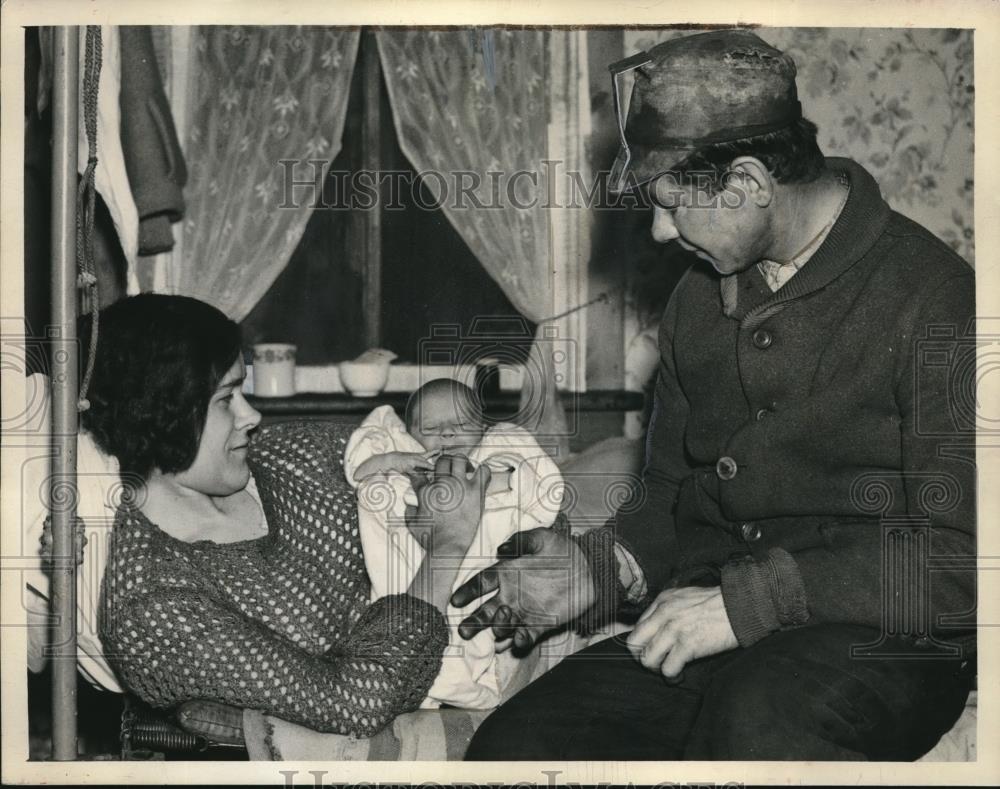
(762, 596)
(598, 545)
(746, 593)
(789, 590)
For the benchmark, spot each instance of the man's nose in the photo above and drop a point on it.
(664, 229)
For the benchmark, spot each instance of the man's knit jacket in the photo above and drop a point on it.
(813, 450)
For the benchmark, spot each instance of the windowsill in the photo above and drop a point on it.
(403, 378)
(498, 404)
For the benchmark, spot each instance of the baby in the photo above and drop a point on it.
(442, 416)
(382, 459)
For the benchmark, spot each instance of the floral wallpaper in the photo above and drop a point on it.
(898, 101)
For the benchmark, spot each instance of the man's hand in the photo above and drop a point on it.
(680, 626)
(544, 582)
(450, 506)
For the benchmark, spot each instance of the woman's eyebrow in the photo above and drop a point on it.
(231, 382)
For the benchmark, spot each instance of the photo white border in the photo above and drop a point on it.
(983, 15)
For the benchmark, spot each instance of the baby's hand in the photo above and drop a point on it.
(410, 462)
(400, 462)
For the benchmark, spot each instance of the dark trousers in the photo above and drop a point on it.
(795, 695)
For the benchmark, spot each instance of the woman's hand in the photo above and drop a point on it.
(445, 523)
(46, 543)
(450, 506)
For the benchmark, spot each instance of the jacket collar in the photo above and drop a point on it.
(861, 222)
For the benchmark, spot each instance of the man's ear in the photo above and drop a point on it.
(756, 180)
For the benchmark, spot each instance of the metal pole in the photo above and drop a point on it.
(65, 388)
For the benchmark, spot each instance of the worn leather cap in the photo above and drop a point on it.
(711, 87)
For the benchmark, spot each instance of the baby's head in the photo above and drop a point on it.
(446, 415)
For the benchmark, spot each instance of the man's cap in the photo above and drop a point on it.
(707, 88)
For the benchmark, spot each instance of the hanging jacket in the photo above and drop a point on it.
(153, 157)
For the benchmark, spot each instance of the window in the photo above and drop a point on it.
(385, 276)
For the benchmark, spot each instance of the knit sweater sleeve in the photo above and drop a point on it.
(180, 645)
(877, 576)
(311, 508)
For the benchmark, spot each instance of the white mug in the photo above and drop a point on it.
(274, 369)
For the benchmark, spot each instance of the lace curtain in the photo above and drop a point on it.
(256, 96)
(484, 111)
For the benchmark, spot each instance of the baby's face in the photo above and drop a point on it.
(448, 423)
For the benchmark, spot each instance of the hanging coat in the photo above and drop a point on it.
(153, 157)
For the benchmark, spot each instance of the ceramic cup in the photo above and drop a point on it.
(274, 369)
(364, 379)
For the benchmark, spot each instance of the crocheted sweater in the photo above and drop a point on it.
(282, 623)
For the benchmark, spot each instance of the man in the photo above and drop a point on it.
(804, 460)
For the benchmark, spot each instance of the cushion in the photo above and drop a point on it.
(220, 723)
(99, 493)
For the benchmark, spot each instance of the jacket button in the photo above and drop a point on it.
(725, 468)
(761, 413)
(750, 532)
(762, 338)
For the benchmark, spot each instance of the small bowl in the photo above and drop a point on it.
(363, 379)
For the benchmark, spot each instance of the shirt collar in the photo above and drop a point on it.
(859, 225)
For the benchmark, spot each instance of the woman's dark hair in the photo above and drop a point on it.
(792, 155)
(159, 360)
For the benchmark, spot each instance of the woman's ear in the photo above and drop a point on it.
(757, 182)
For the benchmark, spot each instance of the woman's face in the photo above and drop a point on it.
(220, 467)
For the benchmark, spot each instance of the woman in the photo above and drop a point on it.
(261, 600)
